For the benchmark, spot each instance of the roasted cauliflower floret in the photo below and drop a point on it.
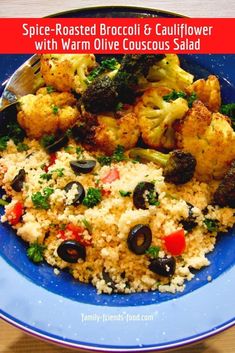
(67, 72)
(207, 91)
(112, 132)
(167, 72)
(210, 138)
(156, 116)
(47, 113)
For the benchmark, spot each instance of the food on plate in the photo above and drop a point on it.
(210, 138)
(47, 113)
(127, 183)
(66, 72)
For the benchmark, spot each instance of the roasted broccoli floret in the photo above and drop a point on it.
(100, 96)
(139, 64)
(225, 193)
(132, 68)
(179, 166)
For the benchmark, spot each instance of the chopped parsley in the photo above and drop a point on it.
(59, 171)
(79, 152)
(153, 198)
(105, 65)
(119, 106)
(50, 89)
(104, 160)
(55, 109)
(13, 132)
(35, 252)
(211, 224)
(68, 148)
(153, 251)
(47, 140)
(46, 176)
(22, 147)
(117, 156)
(41, 200)
(3, 142)
(87, 225)
(179, 94)
(229, 110)
(93, 197)
(124, 193)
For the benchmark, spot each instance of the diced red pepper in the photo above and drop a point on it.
(76, 234)
(105, 192)
(111, 176)
(175, 242)
(14, 214)
(51, 161)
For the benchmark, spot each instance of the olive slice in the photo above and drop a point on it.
(83, 166)
(140, 194)
(163, 266)
(18, 181)
(139, 239)
(71, 250)
(58, 144)
(80, 194)
(190, 222)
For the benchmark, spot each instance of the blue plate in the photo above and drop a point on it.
(61, 310)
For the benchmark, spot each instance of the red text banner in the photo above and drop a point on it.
(119, 35)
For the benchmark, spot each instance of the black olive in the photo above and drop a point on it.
(83, 166)
(140, 194)
(80, 194)
(71, 251)
(163, 266)
(139, 239)
(58, 144)
(190, 222)
(18, 181)
(108, 280)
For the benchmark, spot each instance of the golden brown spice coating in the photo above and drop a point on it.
(156, 117)
(67, 72)
(45, 113)
(112, 132)
(208, 91)
(210, 138)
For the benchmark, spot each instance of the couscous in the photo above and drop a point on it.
(91, 200)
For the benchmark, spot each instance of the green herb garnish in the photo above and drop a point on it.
(153, 198)
(3, 142)
(22, 147)
(50, 89)
(46, 176)
(229, 110)
(211, 224)
(87, 225)
(47, 140)
(105, 65)
(93, 197)
(55, 109)
(179, 94)
(153, 252)
(104, 160)
(124, 193)
(35, 252)
(40, 200)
